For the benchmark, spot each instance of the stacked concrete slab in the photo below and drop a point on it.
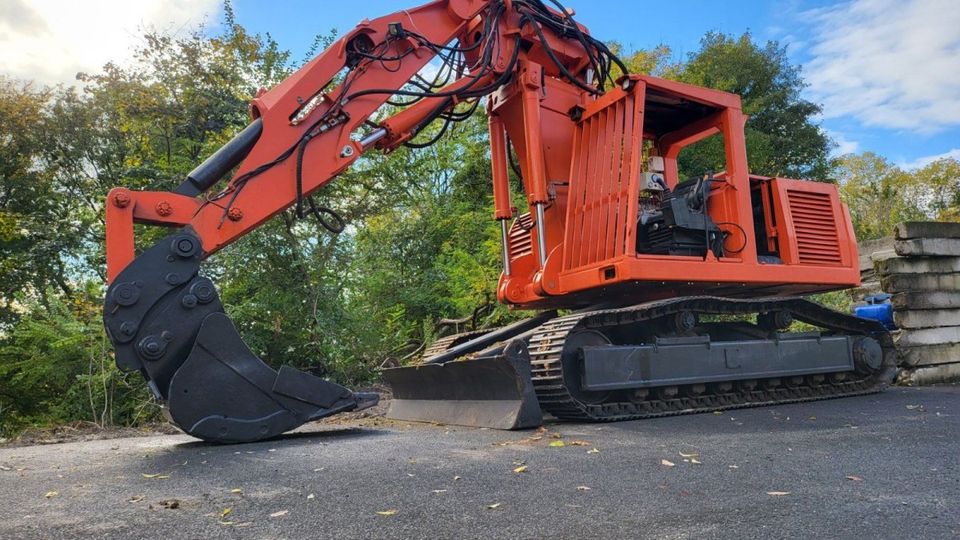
(922, 272)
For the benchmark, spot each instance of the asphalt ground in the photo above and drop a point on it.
(881, 466)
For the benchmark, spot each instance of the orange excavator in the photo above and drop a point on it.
(677, 294)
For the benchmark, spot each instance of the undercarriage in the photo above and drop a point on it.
(677, 356)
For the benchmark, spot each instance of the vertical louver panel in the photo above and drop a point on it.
(521, 242)
(605, 146)
(815, 226)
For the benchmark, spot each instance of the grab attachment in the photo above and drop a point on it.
(167, 322)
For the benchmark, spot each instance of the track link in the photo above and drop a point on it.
(547, 345)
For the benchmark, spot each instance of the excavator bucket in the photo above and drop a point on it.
(166, 321)
(480, 383)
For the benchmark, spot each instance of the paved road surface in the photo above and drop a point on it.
(883, 466)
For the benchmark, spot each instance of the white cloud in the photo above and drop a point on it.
(921, 162)
(50, 40)
(889, 63)
(844, 145)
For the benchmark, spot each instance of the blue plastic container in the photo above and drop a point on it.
(878, 308)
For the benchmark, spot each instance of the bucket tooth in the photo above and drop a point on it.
(493, 390)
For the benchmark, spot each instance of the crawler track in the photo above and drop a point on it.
(547, 345)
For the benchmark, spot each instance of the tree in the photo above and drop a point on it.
(880, 194)
(782, 137)
(31, 250)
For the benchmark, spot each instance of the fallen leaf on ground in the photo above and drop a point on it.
(695, 461)
(733, 466)
(912, 407)
(778, 493)
(557, 444)
(145, 475)
(163, 477)
(238, 491)
(136, 498)
(667, 463)
(493, 506)
(520, 469)
(455, 478)
(555, 435)
(593, 451)
(225, 512)
(311, 496)
(438, 491)
(5, 468)
(854, 478)
(281, 513)
(51, 494)
(583, 488)
(690, 455)
(170, 504)
(388, 512)
(578, 443)
(320, 469)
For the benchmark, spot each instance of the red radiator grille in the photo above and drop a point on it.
(815, 225)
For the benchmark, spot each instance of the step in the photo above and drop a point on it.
(926, 229)
(927, 336)
(926, 300)
(946, 373)
(926, 318)
(895, 283)
(928, 247)
(925, 355)
(916, 265)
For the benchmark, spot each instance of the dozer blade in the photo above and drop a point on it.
(167, 322)
(493, 390)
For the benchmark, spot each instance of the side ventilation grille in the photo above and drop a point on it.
(521, 243)
(815, 225)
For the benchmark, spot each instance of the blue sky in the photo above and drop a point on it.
(805, 26)
(886, 71)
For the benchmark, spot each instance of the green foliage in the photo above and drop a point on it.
(56, 365)
(781, 134)
(782, 138)
(880, 194)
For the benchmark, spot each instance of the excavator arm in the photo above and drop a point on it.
(164, 317)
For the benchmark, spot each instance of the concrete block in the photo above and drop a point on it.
(926, 229)
(867, 288)
(894, 283)
(946, 373)
(926, 300)
(927, 318)
(928, 247)
(866, 248)
(925, 355)
(926, 336)
(916, 265)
